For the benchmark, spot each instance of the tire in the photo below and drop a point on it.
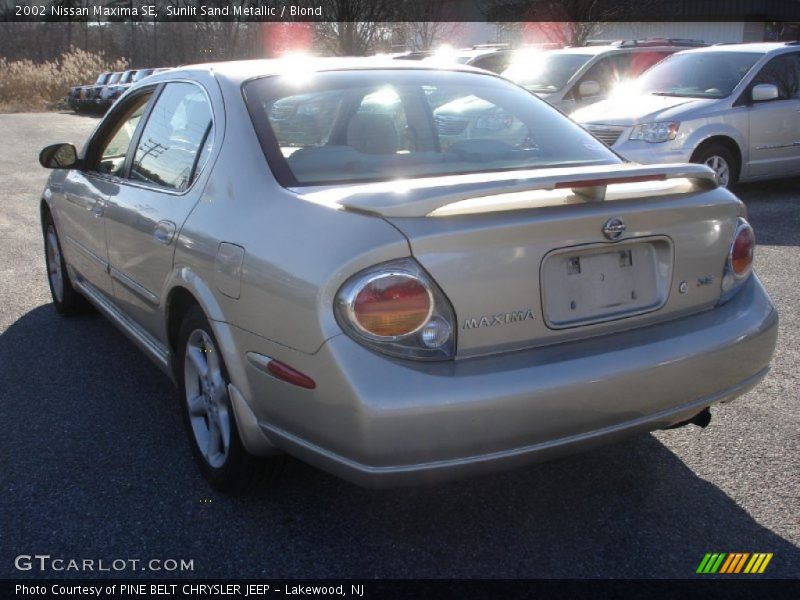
(722, 160)
(207, 411)
(66, 299)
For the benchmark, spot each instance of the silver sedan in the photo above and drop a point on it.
(324, 272)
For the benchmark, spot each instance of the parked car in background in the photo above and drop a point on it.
(490, 57)
(570, 78)
(735, 108)
(114, 89)
(94, 94)
(106, 89)
(112, 92)
(413, 55)
(142, 73)
(388, 307)
(79, 96)
(565, 78)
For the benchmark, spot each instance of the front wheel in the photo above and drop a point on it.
(722, 162)
(66, 299)
(206, 406)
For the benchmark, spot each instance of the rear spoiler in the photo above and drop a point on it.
(420, 197)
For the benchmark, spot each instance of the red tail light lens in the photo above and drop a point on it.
(744, 243)
(397, 309)
(392, 305)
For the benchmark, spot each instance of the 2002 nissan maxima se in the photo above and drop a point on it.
(323, 274)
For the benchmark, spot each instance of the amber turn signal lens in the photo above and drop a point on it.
(392, 305)
(742, 250)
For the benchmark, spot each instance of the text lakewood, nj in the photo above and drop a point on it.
(146, 10)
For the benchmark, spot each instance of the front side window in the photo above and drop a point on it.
(784, 73)
(113, 147)
(607, 72)
(377, 125)
(706, 74)
(545, 72)
(178, 129)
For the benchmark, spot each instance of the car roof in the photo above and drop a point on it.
(596, 50)
(757, 47)
(476, 52)
(239, 71)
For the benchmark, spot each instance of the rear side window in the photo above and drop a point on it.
(173, 140)
(374, 125)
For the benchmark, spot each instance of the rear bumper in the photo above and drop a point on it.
(380, 422)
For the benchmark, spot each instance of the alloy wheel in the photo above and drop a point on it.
(207, 398)
(721, 169)
(54, 271)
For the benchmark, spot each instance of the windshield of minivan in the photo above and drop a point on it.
(545, 72)
(697, 74)
(377, 125)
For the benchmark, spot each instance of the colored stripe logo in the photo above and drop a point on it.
(734, 563)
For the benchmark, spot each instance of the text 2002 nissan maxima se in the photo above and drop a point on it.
(323, 274)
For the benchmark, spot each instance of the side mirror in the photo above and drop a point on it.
(589, 88)
(59, 156)
(763, 92)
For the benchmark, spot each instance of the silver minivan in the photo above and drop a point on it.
(735, 108)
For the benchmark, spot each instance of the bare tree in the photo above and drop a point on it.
(424, 35)
(575, 20)
(354, 27)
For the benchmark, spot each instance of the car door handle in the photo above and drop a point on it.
(97, 209)
(164, 231)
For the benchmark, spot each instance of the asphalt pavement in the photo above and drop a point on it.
(95, 463)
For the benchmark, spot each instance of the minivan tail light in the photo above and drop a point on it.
(397, 309)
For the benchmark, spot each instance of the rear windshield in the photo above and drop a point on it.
(377, 125)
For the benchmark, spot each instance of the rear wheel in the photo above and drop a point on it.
(207, 410)
(721, 160)
(66, 299)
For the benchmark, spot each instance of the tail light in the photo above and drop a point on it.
(741, 255)
(397, 309)
(740, 259)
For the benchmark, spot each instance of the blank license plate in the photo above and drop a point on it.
(594, 285)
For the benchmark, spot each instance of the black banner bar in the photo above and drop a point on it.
(399, 10)
(727, 588)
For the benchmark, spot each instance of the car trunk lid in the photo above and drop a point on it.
(532, 259)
